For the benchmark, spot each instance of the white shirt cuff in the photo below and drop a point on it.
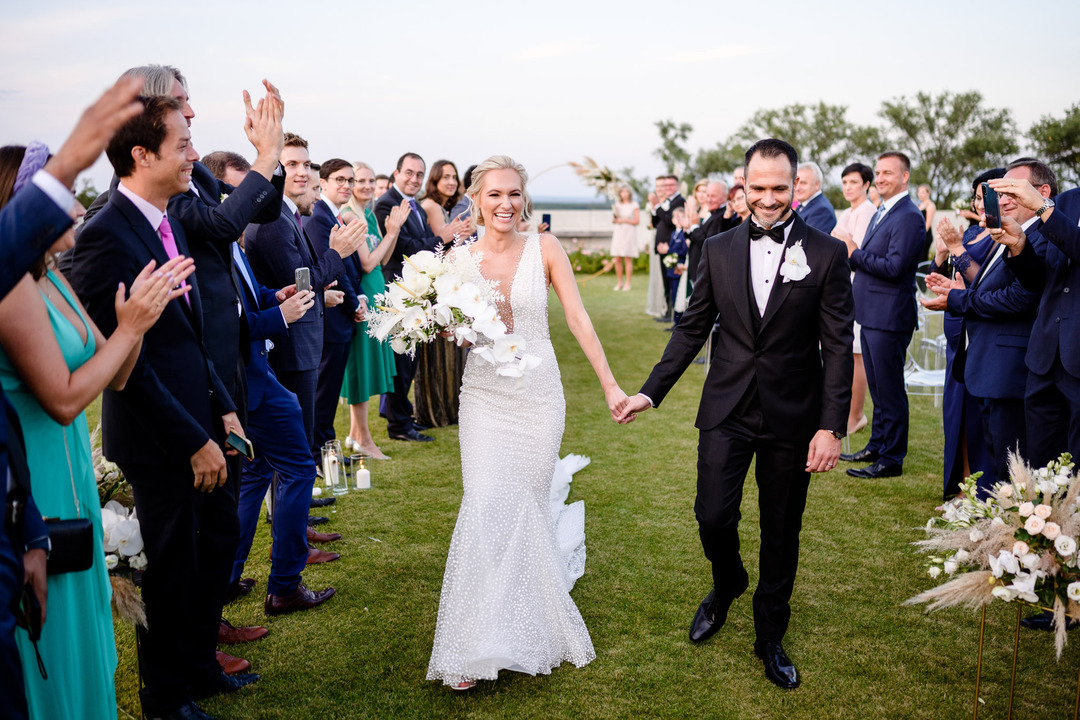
(651, 403)
(55, 190)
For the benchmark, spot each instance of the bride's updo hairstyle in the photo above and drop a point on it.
(497, 162)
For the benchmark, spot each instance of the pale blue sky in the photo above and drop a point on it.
(543, 82)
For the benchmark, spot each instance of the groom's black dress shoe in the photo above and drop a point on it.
(322, 501)
(712, 613)
(222, 683)
(863, 455)
(1044, 621)
(877, 470)
(412, 435)
(778, 666)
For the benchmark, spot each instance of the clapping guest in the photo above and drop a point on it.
(624, 243)
(661, 207)
(53, 363)
(852, 224)
(370, 369)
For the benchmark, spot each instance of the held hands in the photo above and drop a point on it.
(456, 228)
(824, 452)
(630, 409)
(150, 292)
(616, 400)
(346, 239)
(296, 305)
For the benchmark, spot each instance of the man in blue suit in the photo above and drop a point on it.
(165, 428)
(998, 313)
(884, 289)
(339, 323)
(814, 208)
(415, 235)
(29, 223)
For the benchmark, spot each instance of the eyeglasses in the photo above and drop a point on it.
(339, 181)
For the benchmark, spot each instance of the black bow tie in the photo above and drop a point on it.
(776, 232)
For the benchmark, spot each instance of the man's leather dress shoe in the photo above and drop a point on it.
(712, 613)
(412, 435)
(315, 556)
(222, 683)
(299, 599)
(231, 665)
(314, 535)
(314, 520)
(229, 634)
(778, 666)
(322, 501)
(241, 587)
(863, 455)
(877, 470)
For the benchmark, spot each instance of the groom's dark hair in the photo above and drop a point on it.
(773, 148)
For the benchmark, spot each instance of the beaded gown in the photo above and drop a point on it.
(517, 550)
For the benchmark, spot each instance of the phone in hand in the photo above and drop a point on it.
(241, 444)
(303, 279)
(546, 220)
(991, 207)
(30, 613)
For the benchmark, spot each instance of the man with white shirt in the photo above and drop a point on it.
(998, 313)
(662, 209)
(706, 224)
(814, 207)
(165, 429)
(779, 387)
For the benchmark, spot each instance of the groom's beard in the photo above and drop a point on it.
(785, 213)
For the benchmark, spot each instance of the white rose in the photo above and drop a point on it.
(1051, 530)
(997, 521)
(1044, 472)
(111, 561)
(950, 567)
(1065, 545)
(1046, 487)
(1006, 490)
(1043, 511)
(934, 571)
(1034, 524)
(1026, 509)
(138, 562)
(962, 556)
(1073, 591)
(1020, 548)
(975, 535)
(1029, 560)
(1002, 593)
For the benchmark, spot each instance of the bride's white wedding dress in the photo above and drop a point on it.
(517, 549)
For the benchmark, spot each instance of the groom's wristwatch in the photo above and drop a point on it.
(837, 434)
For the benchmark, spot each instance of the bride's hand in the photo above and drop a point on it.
(616, 400)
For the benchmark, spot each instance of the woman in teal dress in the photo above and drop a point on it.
(50, 377)
(370, 369)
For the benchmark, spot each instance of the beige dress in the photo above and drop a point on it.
(624, 240)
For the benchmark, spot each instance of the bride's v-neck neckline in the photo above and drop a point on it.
(506, 304)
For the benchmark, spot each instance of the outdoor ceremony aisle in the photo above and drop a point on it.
(862, 655)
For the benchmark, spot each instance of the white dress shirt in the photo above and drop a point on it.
(765, 257)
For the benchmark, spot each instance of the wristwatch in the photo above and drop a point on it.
(1047, 204)
(837, 434)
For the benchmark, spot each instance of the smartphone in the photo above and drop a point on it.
(303, 279)
(241, 444)
(546, 219)
(991, 207)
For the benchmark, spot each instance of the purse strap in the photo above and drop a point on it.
(71, 474)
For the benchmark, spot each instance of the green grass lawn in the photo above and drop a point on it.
(862, 655)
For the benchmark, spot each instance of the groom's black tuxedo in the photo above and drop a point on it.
(775, 380)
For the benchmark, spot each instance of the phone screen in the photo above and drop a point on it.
(991, 207)
(546, 219)
(241, 445)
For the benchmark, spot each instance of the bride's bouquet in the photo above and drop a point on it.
(431, 299)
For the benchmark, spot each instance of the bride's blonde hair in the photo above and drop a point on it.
(497, 162)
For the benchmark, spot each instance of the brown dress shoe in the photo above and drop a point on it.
(320, 556)
(299, 599)
(241, 587)
(231, 665)
(229, 634)
(315, 536)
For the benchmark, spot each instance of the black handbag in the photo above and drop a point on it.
(72, 540)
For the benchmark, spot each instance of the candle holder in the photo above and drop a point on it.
(363, 475)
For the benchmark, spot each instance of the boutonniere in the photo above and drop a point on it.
(794, 266)
(222, 198)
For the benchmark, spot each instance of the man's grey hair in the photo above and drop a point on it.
(813, 166)
(157, 79)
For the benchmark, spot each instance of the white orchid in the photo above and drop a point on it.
(1002, 593)
(1024, 587)
(128, 537)
(794, 265)
(464, 334)
(447, 285)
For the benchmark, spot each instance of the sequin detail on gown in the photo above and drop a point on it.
(517, 549)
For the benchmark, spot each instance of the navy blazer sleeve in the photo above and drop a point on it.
(906, 242)
(319, 227)
(274, 255)
(223, 222)
(1029, 268)
(1061, 227)
(29, 224)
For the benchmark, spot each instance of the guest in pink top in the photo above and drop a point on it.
(857, 179)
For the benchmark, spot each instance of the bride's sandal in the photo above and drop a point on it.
(464, 685)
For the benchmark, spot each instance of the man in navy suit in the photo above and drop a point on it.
(30, 222)
(276, 250)
(884, 289)
(339, 323)
(165, 427)
(415, 235)
(814, 208)
(998, 313)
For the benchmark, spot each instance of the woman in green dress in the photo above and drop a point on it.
(53, 363)
(370, 369)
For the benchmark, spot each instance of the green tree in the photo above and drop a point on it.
(672, 151)
(950, 138)
(818, 132)
(86, 193)
(720, 159)
(1057, 142)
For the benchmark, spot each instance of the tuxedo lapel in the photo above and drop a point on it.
(738, 264)
(781, 289)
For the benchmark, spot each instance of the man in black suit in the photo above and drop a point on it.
(705, 225)
(814, 208)
(662, 208)
(415, 235)
(884, 290)
(779, 387)
(165, 427)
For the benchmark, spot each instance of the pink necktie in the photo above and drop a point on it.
(169, 242)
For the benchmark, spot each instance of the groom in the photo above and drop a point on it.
(779, 387)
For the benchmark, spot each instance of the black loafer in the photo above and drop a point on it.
(877, 470)
(314, 520)
(863, 455)
(778, 666)
(322, 501)
(1044, 621)
(420, 427)
(712, 613)
(413, 436)
(222, 683)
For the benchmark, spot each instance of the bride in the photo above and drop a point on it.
(505, 598)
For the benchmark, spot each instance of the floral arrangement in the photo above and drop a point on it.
(122, 540)
(600, 178)
(671, 260)
(1018, 543)
(431, 299)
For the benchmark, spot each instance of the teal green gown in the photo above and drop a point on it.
(370, 368)
(77, 644)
